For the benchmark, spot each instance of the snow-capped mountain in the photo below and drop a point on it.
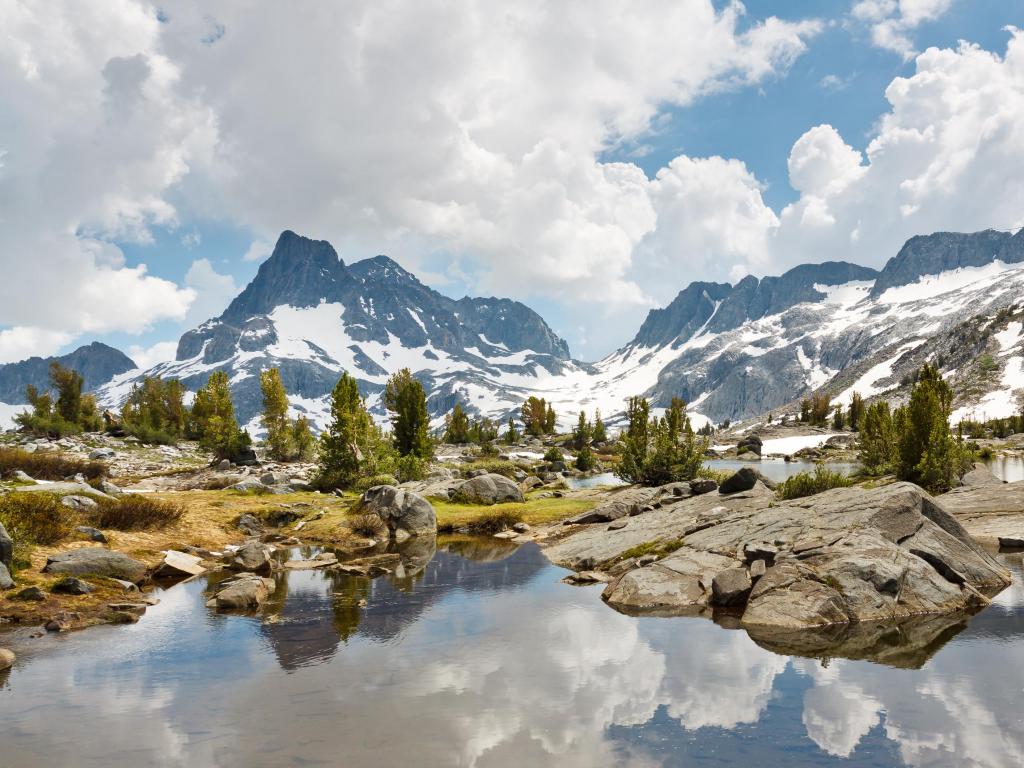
(739, 351)
(732, 351)
(312, 316)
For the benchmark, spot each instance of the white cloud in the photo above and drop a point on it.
(948, 156)
(26, 341)
(95, 134)
(258, 250)
(892, 21)
(146, 357)
(213, 290)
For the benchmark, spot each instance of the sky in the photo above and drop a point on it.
(587, 157)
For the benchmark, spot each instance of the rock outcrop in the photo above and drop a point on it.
(846, 555)
(244, 592)
(96, 561)
(404, 512)
(489, 489)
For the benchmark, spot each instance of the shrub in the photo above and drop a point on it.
(718, 475)
(807, 484)
(488, 449)
(36, 518)
(134, 512)
(366, 524)
(150, 435)
(488, 523)
(369, 482)
(410, 468)
(660, 450)
(47, 466)
(553, 454)
(497, 467)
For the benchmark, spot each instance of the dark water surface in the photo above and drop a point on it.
(484, 658)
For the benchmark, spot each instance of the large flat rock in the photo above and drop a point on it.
(988, 511)
(847, 555)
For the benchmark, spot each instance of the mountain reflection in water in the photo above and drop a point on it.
(478, 656)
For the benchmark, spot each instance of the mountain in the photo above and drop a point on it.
(96, 362)
(312, 316)
(732, 351)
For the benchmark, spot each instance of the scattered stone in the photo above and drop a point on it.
(7, 659)
(21, 477)
(134, 608)
(700, 486)
(1011, 542)
(979, 475)
(79, 502)
(757, 569)
(93, 534)
(505, 535)
(224, 465)
(401, 510)
(489, 488)
(244, 592)
(178, 565)
(123, 617)
(730, 587)
(248, 485)
(587, 577)
(323, 560)
(6, 548)
(530, 482)
(31, 594)
(742, 480)
(252, 556)
(110, 489)
(62, 622)
(69, 585)
(6, 582)
(127, 586)
(520, 527)
(96, 561)
(101, 453)
(759, 551)
(618, 525)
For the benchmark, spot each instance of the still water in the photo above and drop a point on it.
(483, 658)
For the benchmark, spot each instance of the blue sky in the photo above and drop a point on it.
(835, 75)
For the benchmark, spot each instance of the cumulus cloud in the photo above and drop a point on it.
(473, 128)
(947, 156)
(95, 134)
(147, 357)
(213, 291)
(20, 342)
(892, 21)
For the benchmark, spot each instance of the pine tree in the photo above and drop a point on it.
(303, 441)
(275, 416)
(352, 445)
(512, 434)
(660, 451)
(456, 427)
(838, 418)
(410, 423)
(600, 433)
(550, 422)
(534, 415)
(929, 455)
(581, 435)
(214, 421)
(856, 411)
(878, 445)
(634, 455)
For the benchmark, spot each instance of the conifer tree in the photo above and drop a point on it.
(878, 446)
(600, 433)
(275, 415)
(213, 415)
(410, 423)
(512, 434)
(303, 441)
(456, 428)
(856, 411)
(550, 421)
(352, 445)
(534, 416)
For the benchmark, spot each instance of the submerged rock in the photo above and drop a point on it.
(252, 556)
(245, 592)
(178, 565)
(7, 659)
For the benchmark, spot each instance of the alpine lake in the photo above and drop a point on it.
(480, 656)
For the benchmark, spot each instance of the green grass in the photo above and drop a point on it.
(808, 484)
(657, 547)
(452, 515)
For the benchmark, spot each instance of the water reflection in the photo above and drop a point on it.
(476, 655)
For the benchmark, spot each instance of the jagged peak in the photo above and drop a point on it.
(381, 269)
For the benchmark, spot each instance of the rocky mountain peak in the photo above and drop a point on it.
(300, 272)
(381, 270)
(941, 251)
(97, 362)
